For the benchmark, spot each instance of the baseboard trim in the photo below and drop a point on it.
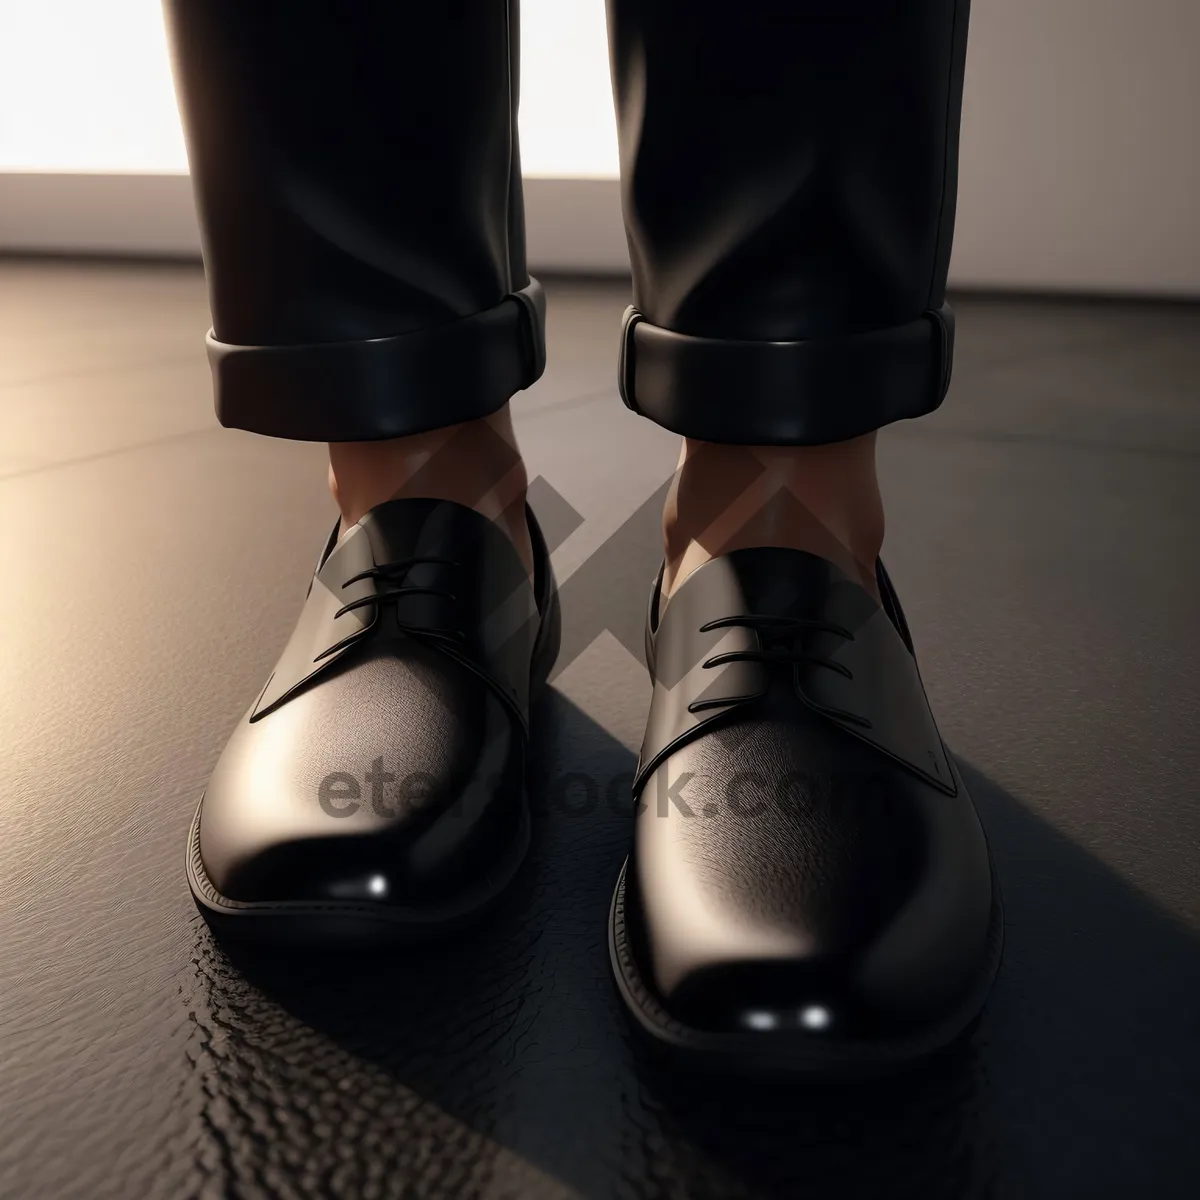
(573, 227)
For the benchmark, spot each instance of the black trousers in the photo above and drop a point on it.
(789, 170)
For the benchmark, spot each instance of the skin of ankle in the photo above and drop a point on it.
(476, 464)
(822, 499)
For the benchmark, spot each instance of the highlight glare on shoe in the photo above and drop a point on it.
(815, 1016)
(760, 1019)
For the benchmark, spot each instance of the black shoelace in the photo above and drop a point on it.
(790, 655)
(391, 576)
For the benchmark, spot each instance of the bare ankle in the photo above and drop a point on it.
(476, 464)
(822, 499)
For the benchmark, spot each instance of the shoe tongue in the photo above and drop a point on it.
(481, 609)
(878, 696)
(775, 581)
(402, 529)
(481, 594)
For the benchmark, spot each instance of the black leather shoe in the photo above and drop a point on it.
(810, 888)
(376, 788)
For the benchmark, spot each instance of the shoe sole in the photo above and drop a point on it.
(352, 924)
(789, 1052)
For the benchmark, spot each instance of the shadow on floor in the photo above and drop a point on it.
(1080, 1080)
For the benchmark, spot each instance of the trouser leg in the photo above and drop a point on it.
(358, 185)
(789, 170)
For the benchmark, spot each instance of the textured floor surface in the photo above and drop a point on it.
(1043, 534)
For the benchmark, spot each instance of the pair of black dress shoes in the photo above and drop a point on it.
(809, 887)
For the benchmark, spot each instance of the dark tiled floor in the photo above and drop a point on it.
(1043, 534)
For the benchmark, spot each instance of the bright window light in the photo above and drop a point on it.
(85, 85)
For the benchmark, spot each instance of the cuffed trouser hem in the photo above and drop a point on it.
(384, 387)
(802, 393)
